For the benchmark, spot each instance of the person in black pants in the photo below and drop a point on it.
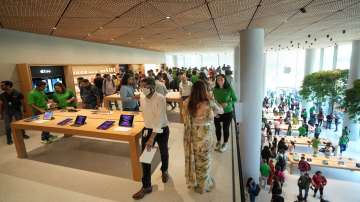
(156, 129)
(226, 120)
(11, 102)
(162, 141)
(225, 96)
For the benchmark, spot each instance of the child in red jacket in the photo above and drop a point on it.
(319, 182)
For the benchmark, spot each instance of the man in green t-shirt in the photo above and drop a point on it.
(265, 173)
(344, 140)
(63, 97)
(315, 142)
(302, 131)
(37, 99)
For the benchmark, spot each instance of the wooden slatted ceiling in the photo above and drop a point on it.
(143, 23)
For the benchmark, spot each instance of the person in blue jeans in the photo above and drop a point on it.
(11, 102)
(38, 101)
(251, 188)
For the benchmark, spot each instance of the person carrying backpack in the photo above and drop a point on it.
(304, 166)
(253, 189)
(304, 184)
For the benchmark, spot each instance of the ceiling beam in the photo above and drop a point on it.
(61, 16)
(253, 15)
(212, 19)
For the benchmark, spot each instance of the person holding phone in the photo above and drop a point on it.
(156, 129)
(63, 97)
(225, 96)
(38, 101)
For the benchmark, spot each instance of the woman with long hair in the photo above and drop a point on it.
(224, 95)
(127, 93)
(198, 113)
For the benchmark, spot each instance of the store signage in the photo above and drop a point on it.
(45, 71)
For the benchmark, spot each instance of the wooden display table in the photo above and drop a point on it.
(170, 97)
(349, 164)
(301, 140)
(88, 130)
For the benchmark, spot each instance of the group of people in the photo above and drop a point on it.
(208, 107)
(205, 107)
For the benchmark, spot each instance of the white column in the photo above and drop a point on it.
(201, 61)
(310, 55)
(321, 59)
(354, 73)
(251, 95)
(309, 68)
(237, 71)
(336, 47)
(175, 60)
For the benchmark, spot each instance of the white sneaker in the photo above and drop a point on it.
(224, 147)
(217, 146)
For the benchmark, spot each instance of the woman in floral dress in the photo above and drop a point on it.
(198, 113)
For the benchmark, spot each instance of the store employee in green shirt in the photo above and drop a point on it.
(37, 99)
(63, 97)
(226, 97)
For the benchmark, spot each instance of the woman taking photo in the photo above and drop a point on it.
(198, 113)
(226, 97)
(63, 97)
(127, 93)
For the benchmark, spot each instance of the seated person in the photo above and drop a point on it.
(328, 150)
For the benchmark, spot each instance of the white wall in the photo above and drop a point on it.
(20, 47)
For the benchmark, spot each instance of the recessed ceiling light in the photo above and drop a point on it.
(112, 39)
(129, 42)
(101, 28)
(89, 34)
(53, 28)
(168, 17)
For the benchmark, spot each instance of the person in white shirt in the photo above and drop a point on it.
(184, 86)
(109, 88)
(153, 106)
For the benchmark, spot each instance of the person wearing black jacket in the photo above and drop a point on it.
(266, 153)
(282, 145)
(98, 82)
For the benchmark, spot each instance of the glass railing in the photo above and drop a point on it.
(237, 177)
